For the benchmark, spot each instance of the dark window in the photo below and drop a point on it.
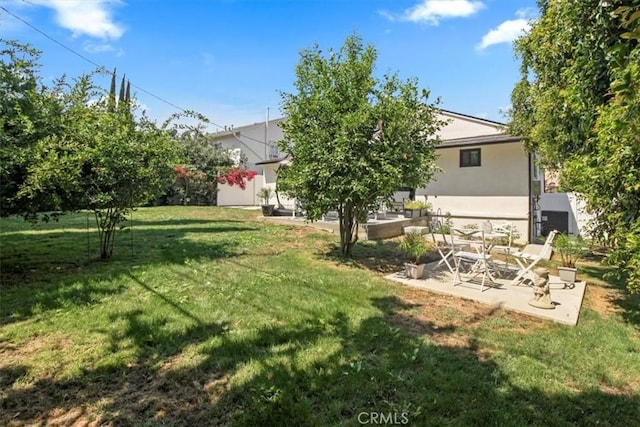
(470, 157)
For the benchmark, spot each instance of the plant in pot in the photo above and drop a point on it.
(415, 245)
(265, 195)
(425, 207)
(570, 249)
(412, 208)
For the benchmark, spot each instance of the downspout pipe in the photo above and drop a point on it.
(530, 227)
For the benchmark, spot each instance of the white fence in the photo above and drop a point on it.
(568, 202)
(235, 196)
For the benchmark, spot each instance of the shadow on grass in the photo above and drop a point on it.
(628, 303)
(389, 363)
(38, 277)
(381, 256)
(180, 221)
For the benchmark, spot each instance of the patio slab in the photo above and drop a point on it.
(391, 225)
(567, 300)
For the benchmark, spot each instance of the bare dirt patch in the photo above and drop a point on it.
(117, 398)
(449, 320)
(602, 300)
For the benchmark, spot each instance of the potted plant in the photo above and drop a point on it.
(412, 209)
(415, 245)
(265, 195)
(570, 249)
(425, 207)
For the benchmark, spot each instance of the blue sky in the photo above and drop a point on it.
(228, 59)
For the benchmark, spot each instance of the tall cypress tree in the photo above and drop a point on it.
(111, 105)
(127, 95)
(121, 95)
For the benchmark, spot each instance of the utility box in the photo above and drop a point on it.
(555, 220)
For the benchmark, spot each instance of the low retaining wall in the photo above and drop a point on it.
(381, 229)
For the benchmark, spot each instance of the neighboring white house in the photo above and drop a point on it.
(257, 141)
(486, 174)
(258, 144)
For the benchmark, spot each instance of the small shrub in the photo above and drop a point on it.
(415, 245)
(265, 195)
(570, 249)
(416, 204)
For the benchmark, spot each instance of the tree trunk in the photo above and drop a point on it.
(348, 228)
(106, 223)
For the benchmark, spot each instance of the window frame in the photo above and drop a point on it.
(468, 157)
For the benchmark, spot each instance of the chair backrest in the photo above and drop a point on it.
(546, 248)
(470, 237)
(505, 228)
(444, 240)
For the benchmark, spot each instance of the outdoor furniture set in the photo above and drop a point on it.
(469, 254)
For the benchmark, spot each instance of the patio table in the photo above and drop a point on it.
(490, 239)
(481, 260)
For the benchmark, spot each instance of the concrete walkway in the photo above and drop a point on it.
(567, 300)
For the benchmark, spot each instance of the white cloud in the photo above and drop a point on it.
(526, 13)
(91, 18)
(506, 32)
(101, 48)
(432, 11)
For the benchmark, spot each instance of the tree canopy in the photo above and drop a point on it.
(29, 111)
(578, 105)
(67, 148)
(353, 138)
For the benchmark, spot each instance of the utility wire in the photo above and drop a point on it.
(101, 68)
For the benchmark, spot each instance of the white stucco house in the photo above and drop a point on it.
(486, 174)
(257, 142)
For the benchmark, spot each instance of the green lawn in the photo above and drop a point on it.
(208, 316)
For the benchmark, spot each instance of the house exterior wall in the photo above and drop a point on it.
(460, 126)
(498, 189)
(235, 196)
(250, 140)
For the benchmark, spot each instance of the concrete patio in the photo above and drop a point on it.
(567, 301)
(377, 226)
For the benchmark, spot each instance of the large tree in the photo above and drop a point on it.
(577, 106)
(72, 146)
(102, 160)
(353, 138)
(28, 112)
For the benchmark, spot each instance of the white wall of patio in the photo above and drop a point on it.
(578, 218)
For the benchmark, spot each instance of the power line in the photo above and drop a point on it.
(101, 68)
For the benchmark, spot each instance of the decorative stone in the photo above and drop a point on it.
(541, 293)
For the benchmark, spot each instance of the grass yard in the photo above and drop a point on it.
(208, 316)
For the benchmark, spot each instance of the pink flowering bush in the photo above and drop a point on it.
(236, 176)
(196, 187)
